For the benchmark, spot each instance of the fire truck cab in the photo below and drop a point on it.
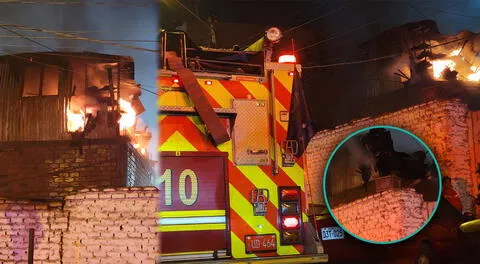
(231, 188)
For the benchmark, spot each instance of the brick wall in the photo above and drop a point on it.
(387, 216)
(57, 168)
(442, 125)
(115, 226)
(17, 217)
(92, 226)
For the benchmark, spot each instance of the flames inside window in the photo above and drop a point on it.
(106, 102)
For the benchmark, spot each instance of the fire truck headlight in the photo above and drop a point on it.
(274, 34)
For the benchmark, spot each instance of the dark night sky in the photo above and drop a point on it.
(348, 23)
(327, 89)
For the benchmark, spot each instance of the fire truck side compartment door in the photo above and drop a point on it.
(251, 137)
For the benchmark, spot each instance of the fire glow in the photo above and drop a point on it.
(474, 77)
(455, 60)
(128, 117)
(75, 121)
(440, 65)
(455, 52)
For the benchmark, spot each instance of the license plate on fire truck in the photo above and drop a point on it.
(260, 243)
(331, 233)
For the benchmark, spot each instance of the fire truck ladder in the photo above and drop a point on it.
(205, 110)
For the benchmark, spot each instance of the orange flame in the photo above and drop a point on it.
(128, 116)
(474, 77)
(440, 65)
(75, 121)
(455, 52)
(456, 61)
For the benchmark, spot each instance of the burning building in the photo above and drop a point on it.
(69, 121)
(424, 82)
(420, 53)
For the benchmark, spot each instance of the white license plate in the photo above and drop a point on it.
(331, 233)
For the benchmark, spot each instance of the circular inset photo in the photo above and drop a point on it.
(382, 184)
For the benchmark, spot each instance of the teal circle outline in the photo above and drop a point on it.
(428, 150)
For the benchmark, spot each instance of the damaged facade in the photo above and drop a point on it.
(67, 122)
(430, 88)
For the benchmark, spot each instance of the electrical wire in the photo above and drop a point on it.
(65, 38)
(347, 32)
(339, 35)
(455, 40)
(71, 31)
(436, 11)
(65, 69)
(57, 33)
(63, 53)
(319, 17)
(307, 22)
(147, 90)
(74, 3)
(193, 14)
(258, 34)
(351, 62)
(382, 57)
(40, 63)
(27, 38)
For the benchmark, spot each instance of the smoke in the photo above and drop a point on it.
(401, 63)
(97, 76)
(357, 150)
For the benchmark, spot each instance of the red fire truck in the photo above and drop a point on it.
(232, 189)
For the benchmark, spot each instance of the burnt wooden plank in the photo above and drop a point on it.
(217, 131)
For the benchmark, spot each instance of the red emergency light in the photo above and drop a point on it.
(290, 194)
(176, 80)
(290, 215)
(290, 222)
(287, 59)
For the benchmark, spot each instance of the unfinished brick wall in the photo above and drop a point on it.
(53, 169)
(17, 217)
(92, 226)
(387, 216)
(113, 226)
(442, 125)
